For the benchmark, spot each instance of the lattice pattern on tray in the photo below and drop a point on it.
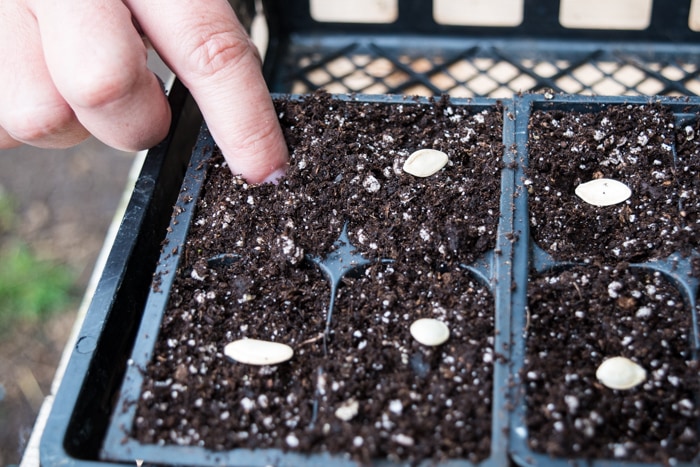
(486, 72)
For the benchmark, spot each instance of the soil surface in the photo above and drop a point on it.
(578, 318)
(358, 385)
(688, 181)
(581, 315)
(65, 200)
(630, 144)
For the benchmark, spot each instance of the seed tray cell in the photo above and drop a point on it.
(336, 302)
(557, 394)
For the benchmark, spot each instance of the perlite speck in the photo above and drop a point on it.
(347, 410)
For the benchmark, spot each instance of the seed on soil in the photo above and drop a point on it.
(429, 331)
(425, 162)
(603, 192)
(620, 373)
(258, 352)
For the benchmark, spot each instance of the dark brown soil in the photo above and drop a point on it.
(416, 401)
(631, 144)
(584, 315)
(413, 402)
(581, 315)
(688, 182)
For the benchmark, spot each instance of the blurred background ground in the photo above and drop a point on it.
(55, 209)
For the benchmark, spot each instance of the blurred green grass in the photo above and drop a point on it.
(31, 288)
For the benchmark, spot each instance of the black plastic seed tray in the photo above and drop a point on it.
(83, 405)
(492, 270)
(532, 258)
(412, 54)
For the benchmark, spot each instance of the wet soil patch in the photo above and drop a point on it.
(580, 316)
(358, 384)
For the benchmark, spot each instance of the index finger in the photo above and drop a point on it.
(210, 52)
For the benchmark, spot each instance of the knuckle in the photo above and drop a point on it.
(212, 51)
(98, 88)
(36, 123)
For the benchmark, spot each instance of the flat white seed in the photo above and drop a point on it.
(430, 331)
(258, 352)
(620, 373)
(603, 192)
(425, 162)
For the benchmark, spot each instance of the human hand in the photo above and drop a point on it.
(78, 67)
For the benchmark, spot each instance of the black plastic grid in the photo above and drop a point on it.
(482, 70)
(415, 55)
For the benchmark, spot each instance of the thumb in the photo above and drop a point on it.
(210, 52)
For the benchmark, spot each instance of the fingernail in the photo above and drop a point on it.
(275, 176)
